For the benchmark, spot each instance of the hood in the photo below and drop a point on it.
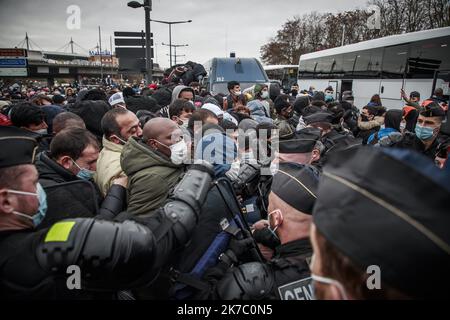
(177, 90)
(393, 118)
(258, 112)
(137, 156)
(219, 150)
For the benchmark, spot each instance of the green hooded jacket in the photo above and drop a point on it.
(151, 175)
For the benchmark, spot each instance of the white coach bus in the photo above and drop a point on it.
(417, 61)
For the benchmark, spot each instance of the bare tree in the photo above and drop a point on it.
(317, 31)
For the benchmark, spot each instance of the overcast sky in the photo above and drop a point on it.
(218, 26)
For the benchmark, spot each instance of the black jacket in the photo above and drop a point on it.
(50, 172)
(410, 141)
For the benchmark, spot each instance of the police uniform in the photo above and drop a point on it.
(386, 209)
(106, 256)
(287, 275)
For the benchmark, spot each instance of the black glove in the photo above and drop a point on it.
(266, 238)
(237, 247)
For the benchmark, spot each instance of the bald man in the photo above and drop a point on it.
(153, 164)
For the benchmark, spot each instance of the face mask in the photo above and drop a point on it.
(42, 210)
(265, 94)
(424, 133)
(184, 123)
(402, 126)
(270, 228)
(84, 174)
(329, 281)
(178, 151)
(294, 92)
(328, 97)
(237, 93)
(364, 117)
(325, 280)
(40, 131)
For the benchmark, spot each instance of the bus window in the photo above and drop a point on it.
(324, 66)
(306, 68)
(394, 61)
(368, 63)
(348, 63)
(338, 67)
(428, 56)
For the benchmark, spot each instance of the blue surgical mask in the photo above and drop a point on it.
(329, 98)
(84, 174)
(42, 210)
(423, 133)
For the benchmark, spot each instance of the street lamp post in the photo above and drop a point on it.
(170, 23)
(175, 46)
(148, 48)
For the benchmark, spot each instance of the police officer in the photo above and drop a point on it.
(109, 256)
(287, 275)
(380, 222)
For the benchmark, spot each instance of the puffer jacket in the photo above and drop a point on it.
(151, 176)
(108, 165)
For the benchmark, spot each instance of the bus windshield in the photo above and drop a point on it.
(241, 70)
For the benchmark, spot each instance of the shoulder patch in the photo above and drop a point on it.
(59, 232)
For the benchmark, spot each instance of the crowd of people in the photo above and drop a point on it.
(172, 192)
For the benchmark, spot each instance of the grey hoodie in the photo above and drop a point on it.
(177, 90)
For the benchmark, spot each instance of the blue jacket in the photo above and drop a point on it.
(381, 133)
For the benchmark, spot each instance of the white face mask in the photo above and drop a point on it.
(265, 94)
(237, 93)
(178, 152)
(402, 126)
(326, 280)
(184, 123)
